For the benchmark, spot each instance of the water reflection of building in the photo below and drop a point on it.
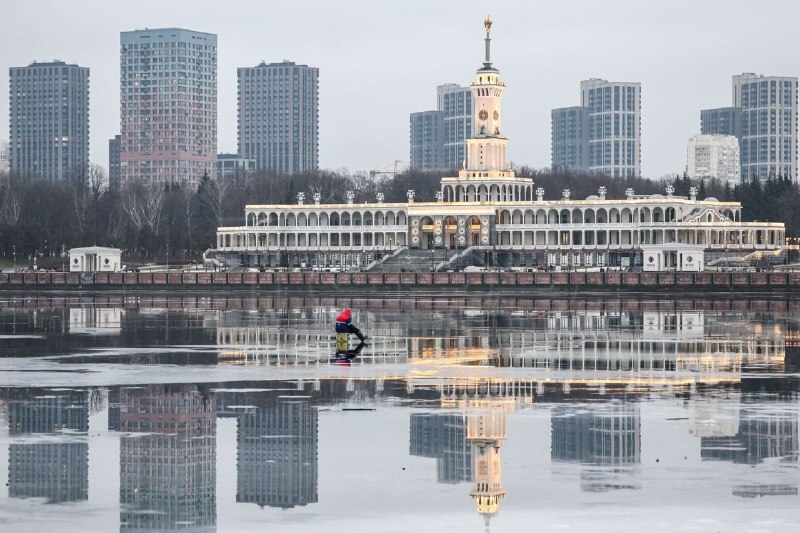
(168, 459)
(443, 436)
(95, 320)
(57, 470)
(606, 441)
(276, 458)
(761, 435)
(486, 432)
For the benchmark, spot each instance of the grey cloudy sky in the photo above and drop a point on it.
(379, 61)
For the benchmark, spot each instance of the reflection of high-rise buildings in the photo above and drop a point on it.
(58, 471)
(605, 439)
(443, 437)
(168, 461)
(761, 435)
(277, 454)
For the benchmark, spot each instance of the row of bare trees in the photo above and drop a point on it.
(43, 218)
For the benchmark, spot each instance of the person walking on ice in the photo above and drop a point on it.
(345, 326)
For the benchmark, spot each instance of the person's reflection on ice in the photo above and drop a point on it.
(344, 357)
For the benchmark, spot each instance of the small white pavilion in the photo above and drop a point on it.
(95, 259)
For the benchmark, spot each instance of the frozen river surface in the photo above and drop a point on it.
(170, 412)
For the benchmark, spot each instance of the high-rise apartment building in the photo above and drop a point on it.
(278, 122)
(427, 140)
(455, 103)
(721, 121)
(764, 119)
(439, 138)
(769, 124)
(614, 123)
(569, 138)
(49, 120)
(114, 147)
(603, 134)
(714, 156)
(168, 105)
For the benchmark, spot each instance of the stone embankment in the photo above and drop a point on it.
(376, 281)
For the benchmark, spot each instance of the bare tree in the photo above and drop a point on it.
(87, 194)
(216, 192)
(10, 208)
(143, 204)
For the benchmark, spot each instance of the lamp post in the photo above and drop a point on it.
(14, 246)
(431, 250)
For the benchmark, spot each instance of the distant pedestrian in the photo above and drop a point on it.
(344, 324)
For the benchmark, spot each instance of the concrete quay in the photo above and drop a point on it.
(394, 281)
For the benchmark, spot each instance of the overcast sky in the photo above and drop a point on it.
(380, 61)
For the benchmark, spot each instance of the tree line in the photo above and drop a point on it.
(41, 218)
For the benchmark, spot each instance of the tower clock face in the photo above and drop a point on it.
(483, 115)
(496, 115)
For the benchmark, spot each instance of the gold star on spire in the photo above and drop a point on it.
(488, 24)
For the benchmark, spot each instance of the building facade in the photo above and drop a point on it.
(168, 105)
(769, 125)
(764, 119)
(49, 121)
(486, 209)
(231, 166)
(4, 156)
(278, 123)
(714, 156)
(721, 121)
(427, 140)
(439, 138)
(614, 124)
(114, 147)
(455, 102)
(569, 139)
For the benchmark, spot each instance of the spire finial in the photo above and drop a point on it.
(488, 25)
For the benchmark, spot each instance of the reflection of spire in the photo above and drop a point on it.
(168, 459)
(486, 432)
(58, 471)
(277, 454)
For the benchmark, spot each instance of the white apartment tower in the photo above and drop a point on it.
(168, 105)
(714, 156)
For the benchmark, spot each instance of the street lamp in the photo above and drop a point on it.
(14, 246)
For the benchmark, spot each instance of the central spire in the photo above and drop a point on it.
(488, 25)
